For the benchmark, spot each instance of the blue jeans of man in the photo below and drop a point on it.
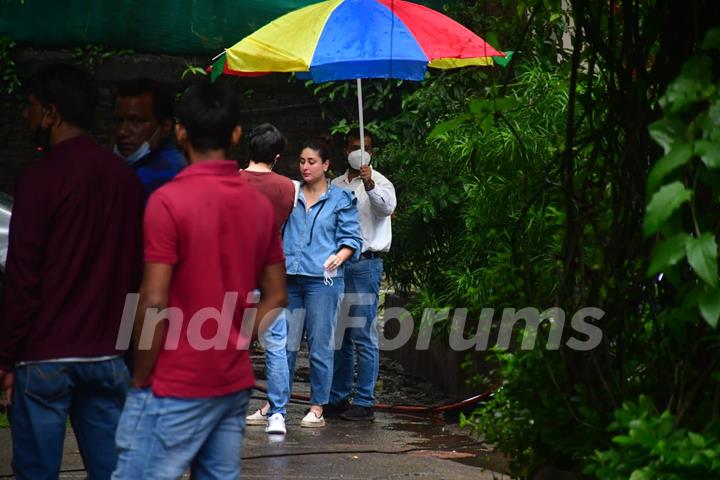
(46, 393)
(276, 365)
(362, 288)
(161, 437)
(312, 308)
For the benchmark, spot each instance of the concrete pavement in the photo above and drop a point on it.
(393, 446)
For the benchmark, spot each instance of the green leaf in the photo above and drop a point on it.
(668, 252)
(712, 39)
(646, 404)
(480, 107)
(667, 131)
(444, 127)
(692, 85)
(702, 256)
(714, 114)
(663, 204)
(709, 304)
(640, 475)
(709, 153)
(485, 123)
(679, 155)
(697, 440)
(622, 440)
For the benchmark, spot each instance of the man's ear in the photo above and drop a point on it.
(236, 136)
(180, 135)
(51, 117)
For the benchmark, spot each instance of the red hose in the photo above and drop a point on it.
(416, 408)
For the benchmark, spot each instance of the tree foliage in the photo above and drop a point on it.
(575, 178)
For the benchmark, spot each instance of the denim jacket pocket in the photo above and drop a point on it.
(47, 382)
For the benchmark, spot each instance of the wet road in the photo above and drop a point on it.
(393, 446)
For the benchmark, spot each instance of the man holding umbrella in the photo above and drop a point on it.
(358, 326)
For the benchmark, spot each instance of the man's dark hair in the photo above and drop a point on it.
(209, 112)
(353, 134)
(162, 94)
(266, 141)
(71, 89)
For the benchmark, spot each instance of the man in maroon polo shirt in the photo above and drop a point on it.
(210, 241)
(75, 245)
(265, 145)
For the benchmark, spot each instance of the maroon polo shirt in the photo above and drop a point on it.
(276, 188)
(219, 234)
(74, 254)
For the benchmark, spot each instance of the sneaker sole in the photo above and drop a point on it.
(276, 432)
(255, 423)
(313, 424)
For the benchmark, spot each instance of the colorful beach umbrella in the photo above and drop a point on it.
(356, 39)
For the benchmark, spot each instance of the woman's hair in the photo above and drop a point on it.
(322, 145)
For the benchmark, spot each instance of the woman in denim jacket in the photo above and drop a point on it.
(321, 234)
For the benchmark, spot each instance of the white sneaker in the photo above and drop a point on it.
(257, 418)
(312, 421)
(276, 424)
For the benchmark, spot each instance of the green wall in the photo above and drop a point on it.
(156, 26)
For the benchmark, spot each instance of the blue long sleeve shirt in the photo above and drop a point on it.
(312, 235)
(159, 167)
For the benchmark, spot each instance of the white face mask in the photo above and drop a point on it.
(356, 160)
(328, 276)
(142, 150)
(136, 155)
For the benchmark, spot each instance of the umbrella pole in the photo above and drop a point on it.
(362, 120)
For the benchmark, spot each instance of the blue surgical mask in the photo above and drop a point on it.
(136, 155)
(143, 150)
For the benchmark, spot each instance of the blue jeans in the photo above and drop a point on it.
(91, 393)
(312, 308)
(276, 365)
(160, 437)
(362, 288)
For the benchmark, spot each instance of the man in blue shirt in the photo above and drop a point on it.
(144, 123)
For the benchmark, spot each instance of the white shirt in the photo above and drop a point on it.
(375, 208)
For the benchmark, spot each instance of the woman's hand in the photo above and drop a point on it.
(333, 262)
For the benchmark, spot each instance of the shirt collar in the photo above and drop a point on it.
(210, 167)
(345, 179)
(301, 192)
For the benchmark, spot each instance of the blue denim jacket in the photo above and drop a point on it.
(311, 236)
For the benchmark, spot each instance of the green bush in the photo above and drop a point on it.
(650, 446)
(529, 187)
(478, 222)
(681, 212)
